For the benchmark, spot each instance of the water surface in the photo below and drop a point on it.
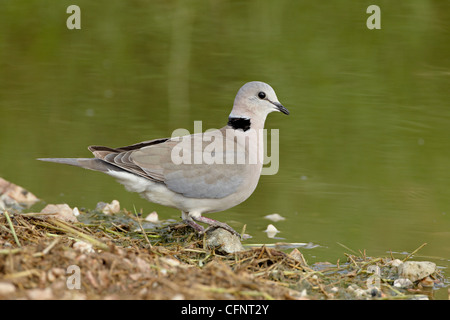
(364, 155)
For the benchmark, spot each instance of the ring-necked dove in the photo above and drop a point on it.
(200, 173)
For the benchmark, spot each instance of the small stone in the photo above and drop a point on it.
(334, 289)
(271, 231)
(403, 283)
(152, 217)
(303, 296)
(416, 270)
(171, 262)
(224, 241)
(83, 247)
(6, 288)
(76, 212)
(40, 294)
(394, 263)
(108, 208)
(16, 194)
(427, 282)
(59, 211)
(275, 217)
(297, 255)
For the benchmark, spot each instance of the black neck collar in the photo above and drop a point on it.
(239, 123)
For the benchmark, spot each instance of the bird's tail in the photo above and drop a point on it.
(87, 163)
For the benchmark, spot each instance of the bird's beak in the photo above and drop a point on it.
(280, 107)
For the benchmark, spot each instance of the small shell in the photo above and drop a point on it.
(271, 231)
(275, 217)
(152, 217)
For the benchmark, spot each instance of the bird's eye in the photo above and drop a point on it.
(261, 95)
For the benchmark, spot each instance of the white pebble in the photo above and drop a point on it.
(271, 231)
(275, 217)
(152, 217)
(83, 247)
(394, 263)
(403, 283)
(7, 288)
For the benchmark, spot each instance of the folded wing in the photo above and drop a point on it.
(154, 160)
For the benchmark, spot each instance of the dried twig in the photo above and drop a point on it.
(11, 226)
(142, 228)
(414, 252)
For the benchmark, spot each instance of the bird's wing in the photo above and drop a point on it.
(120, 157)
(167, 161)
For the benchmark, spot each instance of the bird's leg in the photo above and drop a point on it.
(188, 220)
(216, 224)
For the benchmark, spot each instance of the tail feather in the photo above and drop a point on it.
(87, 163)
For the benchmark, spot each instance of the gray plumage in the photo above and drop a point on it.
(152, 168)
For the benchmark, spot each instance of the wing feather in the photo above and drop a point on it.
(154, 160)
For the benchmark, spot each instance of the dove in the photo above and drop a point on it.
(200, 173)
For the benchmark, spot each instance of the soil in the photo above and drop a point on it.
(110, 257)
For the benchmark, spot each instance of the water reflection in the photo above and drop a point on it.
(364, 155)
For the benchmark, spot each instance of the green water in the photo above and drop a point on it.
(364, 155)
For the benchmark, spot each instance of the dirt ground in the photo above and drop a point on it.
(111, 258)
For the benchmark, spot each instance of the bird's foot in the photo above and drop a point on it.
(194, 225)
(213, 224)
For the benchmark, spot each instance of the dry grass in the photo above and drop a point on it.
(167, 263)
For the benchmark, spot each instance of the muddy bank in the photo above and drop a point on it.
(110, 253)
(122, 256)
